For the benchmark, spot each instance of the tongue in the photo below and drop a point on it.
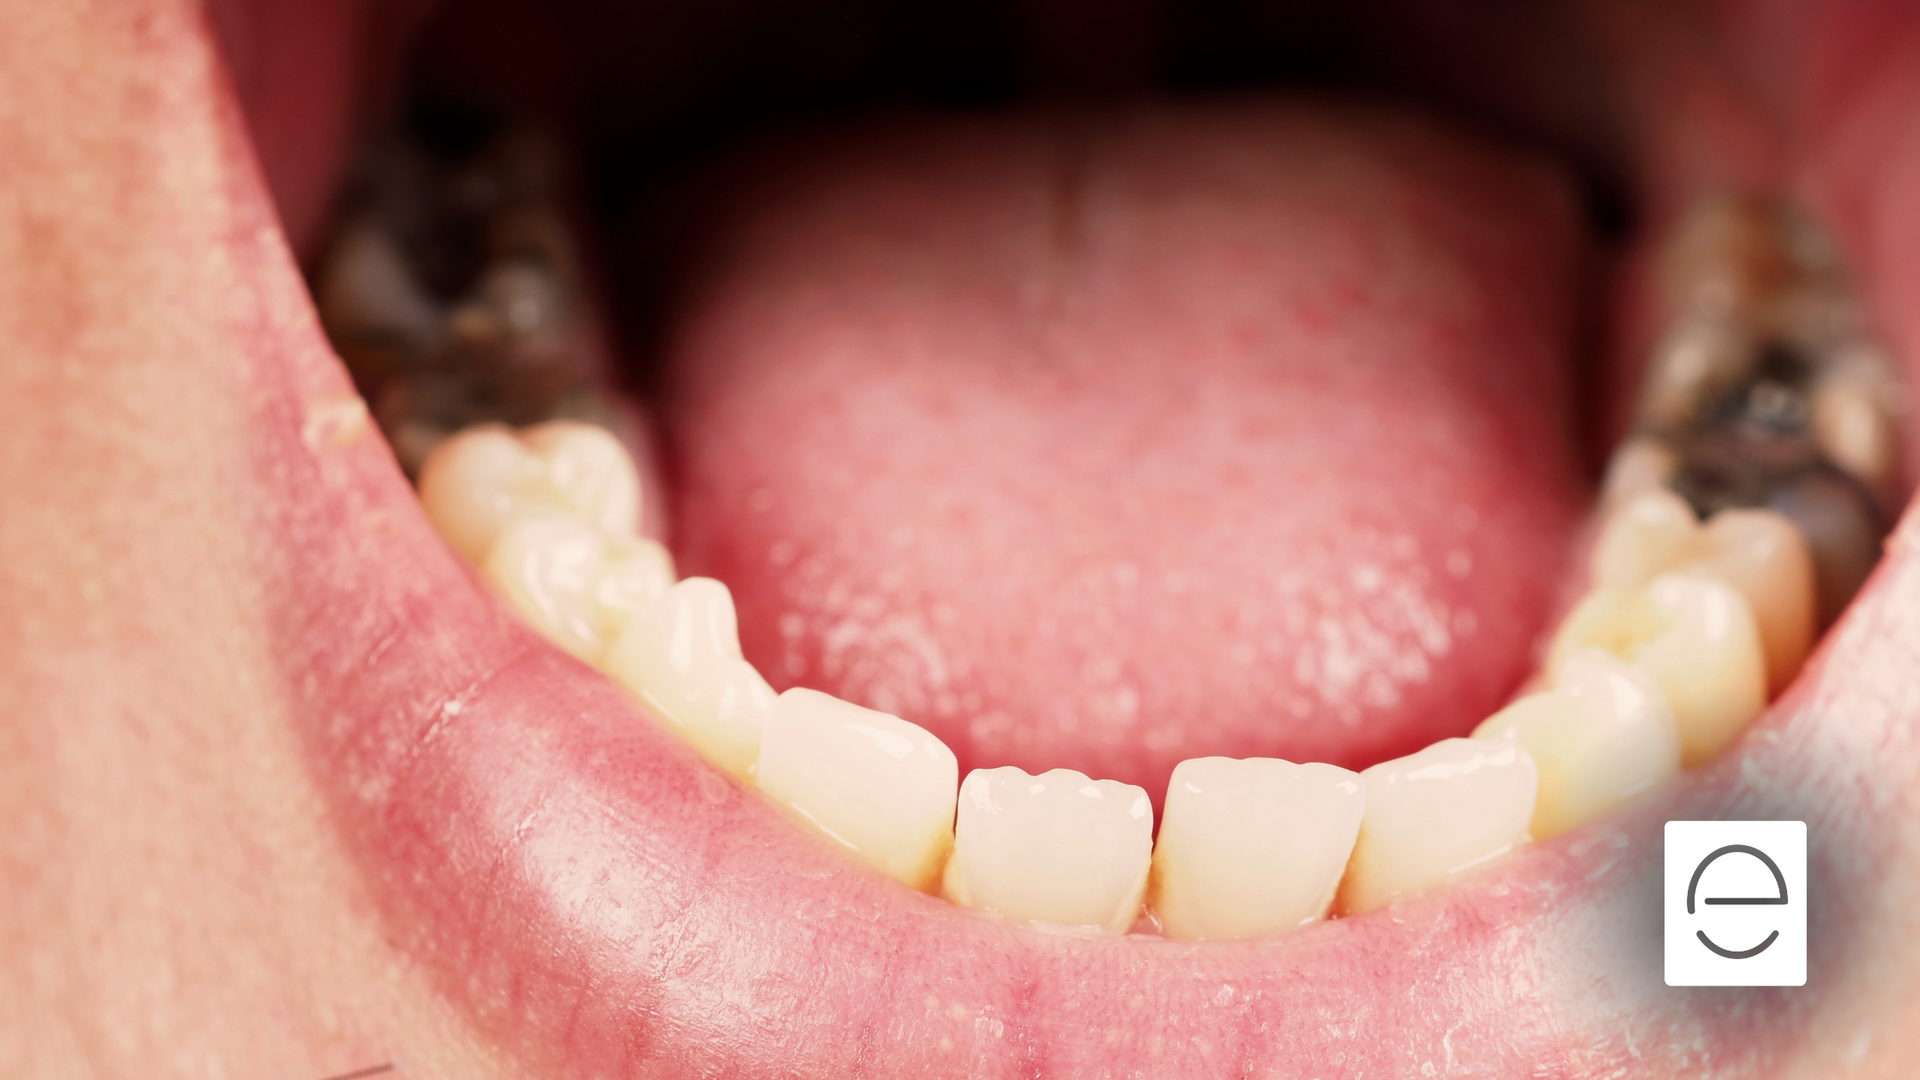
(1105, 443)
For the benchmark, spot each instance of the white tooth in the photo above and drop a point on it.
(1765, 557)
(573, 583)
(681, 656)
(876, 783)
(479, 481)
(1055, 848)
(589, 472)
(1758, 552)
(1602, 735)
(474, 485)
(1695, 637)
(1250, 847)
(1436, 813)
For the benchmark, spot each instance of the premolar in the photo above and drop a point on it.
(1436, 813)
(576, 584)
(682, 657)
(1600, 736)
(1055, 848)
(1251, 847)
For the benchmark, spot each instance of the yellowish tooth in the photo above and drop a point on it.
(1055, 848)
(1644, 536)
(1765, 557)
(476, 483)
(1758, 552)
(1250, 847)
(681, 656)
(1602, 735)
(880, 786)
(1696, 639)
(572, 582)
(1437, 813)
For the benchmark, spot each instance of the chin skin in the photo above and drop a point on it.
(245, 834)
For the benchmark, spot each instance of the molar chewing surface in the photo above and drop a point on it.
(1663, 662)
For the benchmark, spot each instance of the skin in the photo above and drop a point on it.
(206, 877)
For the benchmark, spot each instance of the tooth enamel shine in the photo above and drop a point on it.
(1251, 847)
(874, 783)
(1600, 736)
(1437, 813)
(681, 656)
(1056, 848)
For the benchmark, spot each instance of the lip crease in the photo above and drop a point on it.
(605, 903)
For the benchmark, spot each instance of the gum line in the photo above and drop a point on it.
(1767, 411)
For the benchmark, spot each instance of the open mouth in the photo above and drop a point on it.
(1087, 416)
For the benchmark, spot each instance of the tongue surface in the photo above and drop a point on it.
(1109, 442)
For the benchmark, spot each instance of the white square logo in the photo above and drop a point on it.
(1736, 903)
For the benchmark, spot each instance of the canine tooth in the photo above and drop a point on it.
(1694, 636)
(575, 584)
(873, 782)
(1055, 848)
(1436, 813)
(1600, 736)
(1758, 552)
(681, 656)
(1250, 847)
(478, 482)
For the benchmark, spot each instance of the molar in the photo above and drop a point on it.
(1600, 736)
(1055, 848)
(476, 483)
(1437, 813)
(1251, 847)
(681, 656)
(876, 784)
(1758, 552)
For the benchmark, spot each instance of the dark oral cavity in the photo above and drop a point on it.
(639, 916)
(1107, 440)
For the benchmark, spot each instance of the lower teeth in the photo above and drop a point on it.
(1768, 411)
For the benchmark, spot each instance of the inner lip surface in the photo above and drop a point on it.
(619, 869)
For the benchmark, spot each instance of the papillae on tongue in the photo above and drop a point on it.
(1105, 441)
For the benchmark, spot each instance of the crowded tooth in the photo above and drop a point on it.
(575, 584)
(1694, 637)
(681, 656)
(1055, 848)
(1758, 552)
(477, 483)
(1436, 813)
(873, 782)
(1251, 847)
(1600, 736)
